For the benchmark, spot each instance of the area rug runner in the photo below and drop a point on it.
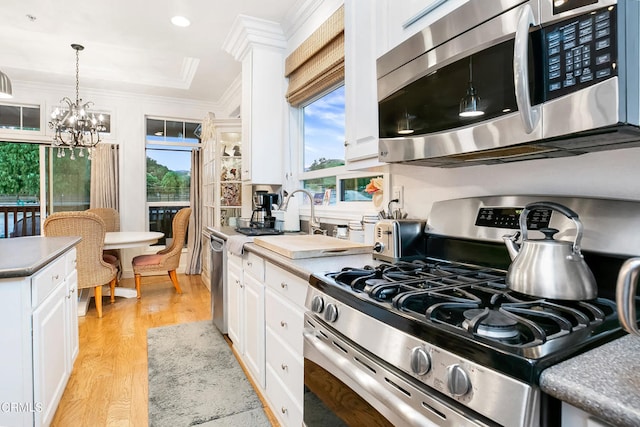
(195, 380)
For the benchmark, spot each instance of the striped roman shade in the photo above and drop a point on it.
(318, 63)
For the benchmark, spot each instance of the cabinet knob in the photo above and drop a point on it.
(55, 277)
(284, 367)
(283, 323)
(283, 285)
(284, 410)
(249, 263)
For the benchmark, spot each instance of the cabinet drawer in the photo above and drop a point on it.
(288, 365)
(286, 320)
(233, 259)
(254, 265)
(286, 284)
(288, 412)
(45, 281)
(70, 259)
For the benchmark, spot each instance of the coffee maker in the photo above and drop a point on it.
(262, 216)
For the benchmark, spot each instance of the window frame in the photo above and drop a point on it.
(341, 210)
(167, 144)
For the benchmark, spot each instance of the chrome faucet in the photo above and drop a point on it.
(314, 224)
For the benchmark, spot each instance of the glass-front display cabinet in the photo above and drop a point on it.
(222, 180)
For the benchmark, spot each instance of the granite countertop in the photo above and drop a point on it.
(302, 267)
(23, 256)
(604, 382)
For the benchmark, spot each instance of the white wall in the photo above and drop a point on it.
(128, 113)
(606, 174)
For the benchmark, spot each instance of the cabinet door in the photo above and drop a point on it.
(71, 328)
(360, 82)
(254, 327)
(235, 317)
(50, 353)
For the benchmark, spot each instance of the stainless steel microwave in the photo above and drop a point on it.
(508, 80)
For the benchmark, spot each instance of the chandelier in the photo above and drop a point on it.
(73, 125)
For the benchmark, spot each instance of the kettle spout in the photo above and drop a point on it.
(512, 247)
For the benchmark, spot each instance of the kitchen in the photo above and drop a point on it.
(602, 174)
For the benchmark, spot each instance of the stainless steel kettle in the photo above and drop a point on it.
(626, 295)
(549, 268)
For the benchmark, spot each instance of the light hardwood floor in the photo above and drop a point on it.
(108, 385)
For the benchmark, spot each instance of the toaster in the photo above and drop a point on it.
(396, 240)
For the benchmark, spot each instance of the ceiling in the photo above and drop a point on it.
(130, 45)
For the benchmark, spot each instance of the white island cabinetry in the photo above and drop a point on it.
(39, 338)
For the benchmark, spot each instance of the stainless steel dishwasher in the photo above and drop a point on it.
(219, 283)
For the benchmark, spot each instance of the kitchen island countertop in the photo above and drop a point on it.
(604, 382)
(23, 256)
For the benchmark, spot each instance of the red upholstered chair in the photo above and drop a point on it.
(167, 259)
(93, 271)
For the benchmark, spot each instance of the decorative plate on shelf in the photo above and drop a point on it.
(231, 194)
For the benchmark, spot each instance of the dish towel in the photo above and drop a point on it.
(235, 244)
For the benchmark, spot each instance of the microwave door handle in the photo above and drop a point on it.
(530, 115)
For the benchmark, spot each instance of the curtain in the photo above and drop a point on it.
(318, 63)
(104, 177)
(194, 242)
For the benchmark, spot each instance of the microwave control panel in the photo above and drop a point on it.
(510, 218)
(580, 52)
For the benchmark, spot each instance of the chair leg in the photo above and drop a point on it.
(138, 278)
(113, 290)
(174, 279)
(98, 297)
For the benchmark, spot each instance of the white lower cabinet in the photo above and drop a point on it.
(39, 338)
(254, 327)
(265, 322)
(284, 318)
(50, 364)
(245, 326)
(235, 318)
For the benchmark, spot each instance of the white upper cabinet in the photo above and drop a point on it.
(361, 104)
(400, 20)
(259, 45)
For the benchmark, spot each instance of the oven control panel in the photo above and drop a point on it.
(510, 218)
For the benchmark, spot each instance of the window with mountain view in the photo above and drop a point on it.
(168, 168)
(323, 144)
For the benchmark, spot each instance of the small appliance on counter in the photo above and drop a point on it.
(262, 221)
(396, 240)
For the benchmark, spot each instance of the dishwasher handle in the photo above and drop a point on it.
(217, 245)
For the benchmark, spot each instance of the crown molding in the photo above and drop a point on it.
(248, 32)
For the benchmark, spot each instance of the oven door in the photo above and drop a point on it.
(344, 386)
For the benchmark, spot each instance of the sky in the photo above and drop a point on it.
(324, 128)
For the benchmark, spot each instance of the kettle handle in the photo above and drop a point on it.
(625, 295)
(569, 213)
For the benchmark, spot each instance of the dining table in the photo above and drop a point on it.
(121, 240)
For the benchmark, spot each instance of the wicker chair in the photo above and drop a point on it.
(93, 271)
(167, 259)
(111, 218)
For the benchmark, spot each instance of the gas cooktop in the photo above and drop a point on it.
(475, 303)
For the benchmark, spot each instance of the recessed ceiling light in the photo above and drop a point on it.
(180, 21)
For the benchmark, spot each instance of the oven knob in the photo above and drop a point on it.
(458, 380)
(378, 247)
(331, 313)
(420, 361)
(317, 304)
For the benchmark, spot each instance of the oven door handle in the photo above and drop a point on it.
(363, 380)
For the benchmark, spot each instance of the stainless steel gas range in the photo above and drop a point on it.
(442, 340)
